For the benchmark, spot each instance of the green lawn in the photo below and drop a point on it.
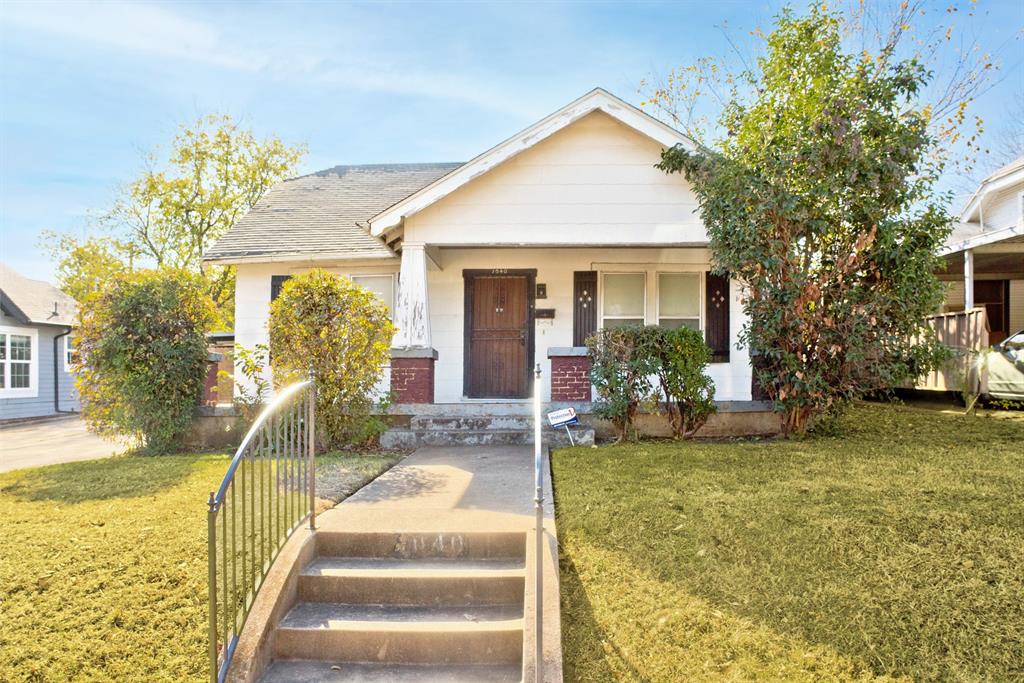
(894, 550)
(103, 565)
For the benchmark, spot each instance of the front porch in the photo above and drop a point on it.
(475, 322)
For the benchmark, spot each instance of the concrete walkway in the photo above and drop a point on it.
(434, 496)
(50, 442)
(466, 489)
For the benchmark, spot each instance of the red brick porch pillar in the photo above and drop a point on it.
(412, 375)
(570, 374)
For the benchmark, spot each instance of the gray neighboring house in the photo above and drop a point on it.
(36, 348)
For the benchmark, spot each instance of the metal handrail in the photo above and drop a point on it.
(538, 505)
(268, 491)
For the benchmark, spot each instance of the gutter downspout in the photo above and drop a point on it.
(56, 374)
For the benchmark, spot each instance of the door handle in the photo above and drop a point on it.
(522, 337)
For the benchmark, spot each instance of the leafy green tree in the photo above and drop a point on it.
(166, 218)
(142, 355)
(85, 266)
(821, 201)
(323, 324)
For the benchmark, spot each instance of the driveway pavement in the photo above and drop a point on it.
(50, 442)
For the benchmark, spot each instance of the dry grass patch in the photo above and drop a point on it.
(893, 550)
(103, 565)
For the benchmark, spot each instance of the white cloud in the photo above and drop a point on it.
(131, 27)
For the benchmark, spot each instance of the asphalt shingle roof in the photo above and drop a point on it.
(34, 301)
(325, 212)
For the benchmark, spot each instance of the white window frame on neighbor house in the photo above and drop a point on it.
(355, 277)
(652, 284)
(69, 351)
(601, 289)
(32, 390)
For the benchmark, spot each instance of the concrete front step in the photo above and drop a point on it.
(413, 582)
(286, 671)
(407, 438)
(471, 545)
(404, 634)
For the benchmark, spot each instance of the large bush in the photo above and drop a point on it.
(324, 324)
(822, 200)
(621, 374)
(143, 355)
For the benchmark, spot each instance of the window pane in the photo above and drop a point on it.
(19, 375)
(675, 323)
(381, 285)
(21, 348)
(624, 294)
(3, 347)
(622, 322)
(679, 295)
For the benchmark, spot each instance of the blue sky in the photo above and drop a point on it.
(86, 89)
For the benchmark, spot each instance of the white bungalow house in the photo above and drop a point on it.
(510, 259)
(985, 254)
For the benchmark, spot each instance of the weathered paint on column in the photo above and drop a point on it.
(412, 313)
(968, 279)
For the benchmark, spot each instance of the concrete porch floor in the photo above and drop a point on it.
(468, 489)
(446, 491)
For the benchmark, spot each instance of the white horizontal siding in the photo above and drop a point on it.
(592, 183)
(1016, 306)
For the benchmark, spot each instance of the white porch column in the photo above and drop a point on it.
(968, 279)
(412, 312)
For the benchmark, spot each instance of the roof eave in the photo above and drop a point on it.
(971, 212)
(242, 259)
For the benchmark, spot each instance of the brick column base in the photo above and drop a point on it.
(570, 375)
(412, 375)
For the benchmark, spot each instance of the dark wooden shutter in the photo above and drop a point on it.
(584, 306)
(716, 333)
(276, 282)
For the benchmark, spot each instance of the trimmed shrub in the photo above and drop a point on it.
(621, 374)
(323, 324)
(681, 356)
(625, 363)
(143, 356)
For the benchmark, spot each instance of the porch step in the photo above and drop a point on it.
(412, 582)
(404, 634)
(479, 430)
(444, 607)
(284, 671)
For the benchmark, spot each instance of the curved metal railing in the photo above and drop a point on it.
(538, 533)
(268, 491)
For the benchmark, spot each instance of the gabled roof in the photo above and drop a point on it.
(34, 301)
(324, 214)
(597, 99)
(1007, 176)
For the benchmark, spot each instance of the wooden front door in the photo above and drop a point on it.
(499, 333)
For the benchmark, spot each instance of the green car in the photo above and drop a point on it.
(1005, 369)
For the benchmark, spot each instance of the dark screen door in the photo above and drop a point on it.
(498, 337)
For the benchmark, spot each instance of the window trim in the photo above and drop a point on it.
(701, 317)
(394, 286)
(601, 291)
(32, 390)
(67, 351)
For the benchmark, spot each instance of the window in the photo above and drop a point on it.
(381, 285)
(70, 352)
(18, 362)
(624, 299)
(679, 300)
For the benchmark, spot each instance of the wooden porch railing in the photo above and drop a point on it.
(966, 332)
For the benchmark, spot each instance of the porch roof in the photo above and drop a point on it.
(323, 214)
